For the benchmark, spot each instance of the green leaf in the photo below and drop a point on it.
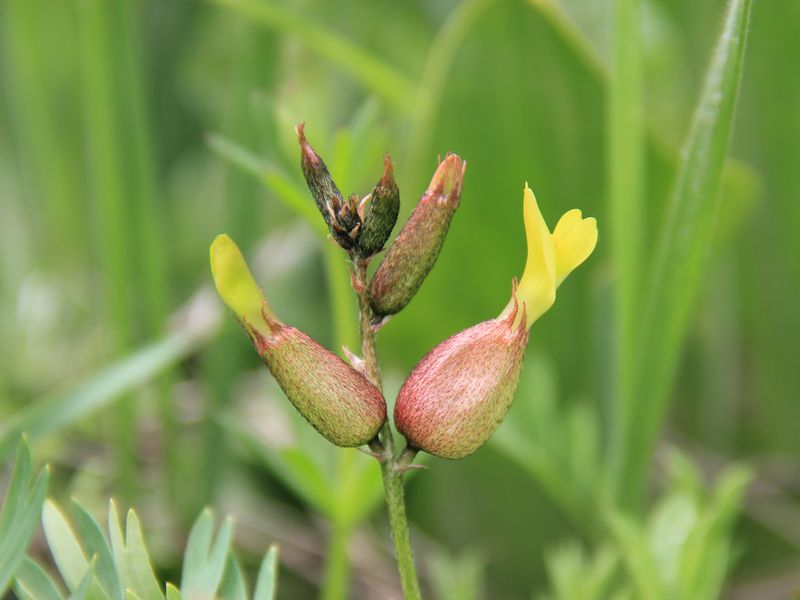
(83, 587)
(637, 557)
(59, 410)
(131, 558)
(204, 565)
(20, 514)
(682, 249)
(33, 583)
(95, 543)
(267, 582)
(64, 546)
(362, 64)
(233, 585)
(173, 593)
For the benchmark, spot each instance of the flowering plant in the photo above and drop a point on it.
(458, 394)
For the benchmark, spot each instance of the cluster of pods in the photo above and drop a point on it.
(458, 394)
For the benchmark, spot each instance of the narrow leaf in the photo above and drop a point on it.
(96, 544)
(53, 412)
(33, 583)
(360, 63)
(20, 514)
(233, 585)
(683, 247)
(64, 546)
(267, 582)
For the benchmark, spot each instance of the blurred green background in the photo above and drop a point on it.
(132, 132)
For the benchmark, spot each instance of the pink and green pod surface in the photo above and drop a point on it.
(336, 399)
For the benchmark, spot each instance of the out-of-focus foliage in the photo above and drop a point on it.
(133, 132)
(92, 567)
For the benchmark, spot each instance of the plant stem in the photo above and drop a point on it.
(392, 467)
(337, 571)
(395, 503)
(367, 332)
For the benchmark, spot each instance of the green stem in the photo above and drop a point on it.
(337, 569)
(392, 467)
(395, 503)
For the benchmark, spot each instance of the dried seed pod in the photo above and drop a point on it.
(340, 215)
(415, 249)
(378, 212)
(335, 398)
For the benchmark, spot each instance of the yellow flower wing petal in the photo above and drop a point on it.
(565, 224)
(573, 243)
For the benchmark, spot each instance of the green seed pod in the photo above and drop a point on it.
(415, 249)
(378, 213)
(340, 215)
(336, 399)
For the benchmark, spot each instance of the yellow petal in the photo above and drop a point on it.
(574, 240)
(235, 284)
(537, 288)
(565, 224)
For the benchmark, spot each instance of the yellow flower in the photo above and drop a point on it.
(551, 257)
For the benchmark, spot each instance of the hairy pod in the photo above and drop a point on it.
(415, 249)
(458, 394)
(337, 400)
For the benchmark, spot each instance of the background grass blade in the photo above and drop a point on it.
(625, 198)
(62, 409)
(362, 65)
(682, 249)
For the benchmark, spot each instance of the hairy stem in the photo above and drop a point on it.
(392, 467)
(395, 503)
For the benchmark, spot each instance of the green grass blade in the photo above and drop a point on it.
(683, 247)
(625, 195)
(432, 83)
(33, 583)
(110, 191)
(267, 582)
(62, 409)
(360, 63)
(20, 513)
(293, 196)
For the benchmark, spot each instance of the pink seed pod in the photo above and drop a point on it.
(458, 394)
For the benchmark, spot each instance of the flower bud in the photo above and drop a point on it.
(460, 391)
(415, 249)
(378, 213)
(335, 398)
(340, 215)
